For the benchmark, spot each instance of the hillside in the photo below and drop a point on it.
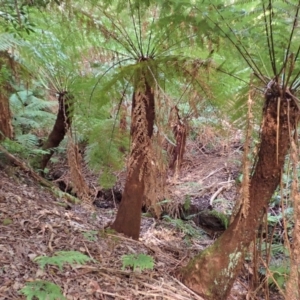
(34, 222)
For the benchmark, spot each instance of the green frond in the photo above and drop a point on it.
(221, 216)
(28, 141)
(107, 179)
(41, 290)
(24, 145)
(265, 35)
(54, 54)
(62, 257)
(29, 111)
(105, 153)
(137, 261)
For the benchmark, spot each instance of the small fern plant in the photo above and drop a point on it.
(62, 257)
(186, 228)
(42, 290)
(137, 261)
(224, 219)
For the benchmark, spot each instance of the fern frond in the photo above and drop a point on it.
(137, 261)
(28, 141)
(106, 152)
(62, 257)
(42, 290)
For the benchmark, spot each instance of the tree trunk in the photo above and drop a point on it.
(6, 130)
(128, 219)
(212, 273)
(62, 124)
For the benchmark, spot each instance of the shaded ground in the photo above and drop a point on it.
(33, 222)
(206, 182)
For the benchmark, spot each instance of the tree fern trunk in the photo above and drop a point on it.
(213, 272)
(128, 219)
(62, 124)
(6, 129)
(5, 116)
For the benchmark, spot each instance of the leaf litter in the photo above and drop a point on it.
(38, 226)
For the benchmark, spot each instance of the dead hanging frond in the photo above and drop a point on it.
(159, 192)
(156, 191)
(139, 134)
(144, 152)
(243, 202)
(79, 185)
(293, 283)
(180, 130)
(155, 179)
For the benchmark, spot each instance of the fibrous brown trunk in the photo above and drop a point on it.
(6, 130)
(128, 219)
(212, 273)
(5, 116)
(62, 124)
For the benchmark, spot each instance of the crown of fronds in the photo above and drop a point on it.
(261, 37)
(131, 45)
(266, 36)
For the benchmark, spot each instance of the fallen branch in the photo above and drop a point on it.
(54, 189)
(220, 189)
(25, 168)
(215, 195)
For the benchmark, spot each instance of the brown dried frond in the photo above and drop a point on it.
(139, 134)
(293, 283)
(80, 187)
(123, 117)
(195, 101)
(198, 71)
(156, 177)
(244, 201)
(151, 170)
(180, 131)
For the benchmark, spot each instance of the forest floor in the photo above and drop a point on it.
(34, 223)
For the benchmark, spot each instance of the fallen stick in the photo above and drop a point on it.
(54, 189)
